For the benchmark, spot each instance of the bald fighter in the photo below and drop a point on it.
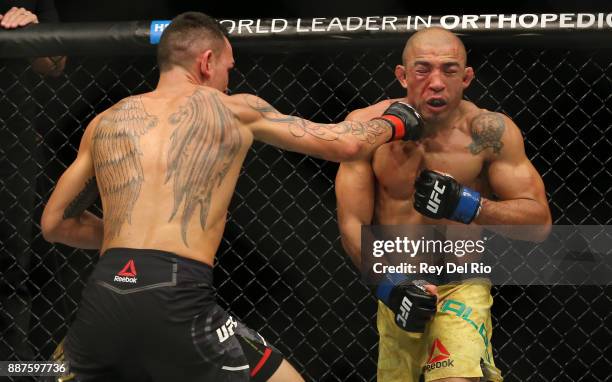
(468, 167)
(166, 164)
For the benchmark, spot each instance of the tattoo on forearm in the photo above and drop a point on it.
(83, 200)
(368, 131)
(202, 149)
(299, 127)
(487, 131)
(116, 153)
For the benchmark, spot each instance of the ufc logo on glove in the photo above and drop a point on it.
(440, 196)
(434, 198)
(402, 316)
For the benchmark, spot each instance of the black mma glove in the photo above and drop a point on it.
(406, 123)
(413, 306)
(439, 196)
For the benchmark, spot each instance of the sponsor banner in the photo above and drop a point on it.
(337, 26)
(395, 24)
(502, 255)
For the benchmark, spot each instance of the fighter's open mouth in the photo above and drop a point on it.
(436, 102)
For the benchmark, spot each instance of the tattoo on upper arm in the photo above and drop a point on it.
(83, 200)
(299, 127)
(203, 147)
(116, 155)
(487, 131)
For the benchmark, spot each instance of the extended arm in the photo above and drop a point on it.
(65, 218)
(348, 140)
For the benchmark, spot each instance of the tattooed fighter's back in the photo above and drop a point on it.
(165, 164)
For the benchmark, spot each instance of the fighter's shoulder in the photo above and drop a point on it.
(127, 114)
(479, 120)
(124, 105)
(248, 108)
(494, 130)
(244, 99)
(369, 112)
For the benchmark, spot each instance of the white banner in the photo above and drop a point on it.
(326, 25)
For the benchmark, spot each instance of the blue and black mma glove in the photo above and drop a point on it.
(412, 305)
(405, 122)
(440, 196)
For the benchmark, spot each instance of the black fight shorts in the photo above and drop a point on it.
(148, 315)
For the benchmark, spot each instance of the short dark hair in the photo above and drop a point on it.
(186, 34)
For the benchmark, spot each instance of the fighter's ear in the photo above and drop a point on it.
(468, 76)
(400, 74)
(205, 60)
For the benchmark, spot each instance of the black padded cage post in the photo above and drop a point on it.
(280, 267)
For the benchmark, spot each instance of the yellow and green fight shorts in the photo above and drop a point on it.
(456, 343)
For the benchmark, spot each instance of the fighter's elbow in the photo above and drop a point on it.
(47, 229)
(548, 221)
(351, 150)
(352, 251)
(50, 226)
(543, 228)
(541, 233)
(346, 245)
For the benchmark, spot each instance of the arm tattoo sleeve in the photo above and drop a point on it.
(83, 200)
(202, 149)
(487, 131)
(364, 131)
(116, 153)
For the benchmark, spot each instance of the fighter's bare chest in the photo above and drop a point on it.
(396, 165)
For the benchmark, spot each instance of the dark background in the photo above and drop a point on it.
(281, 268)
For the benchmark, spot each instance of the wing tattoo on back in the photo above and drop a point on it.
(202, 149)
(116, 155)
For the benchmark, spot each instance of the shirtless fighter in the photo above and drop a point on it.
(166, 164)
(466, 155)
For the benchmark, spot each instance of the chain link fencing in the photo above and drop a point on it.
(281, 268)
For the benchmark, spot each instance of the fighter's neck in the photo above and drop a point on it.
(176, 78)
(436, 126)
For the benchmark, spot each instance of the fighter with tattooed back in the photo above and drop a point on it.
(166, 164)
(468, 167)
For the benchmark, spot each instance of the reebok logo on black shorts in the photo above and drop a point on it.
(127, 274)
